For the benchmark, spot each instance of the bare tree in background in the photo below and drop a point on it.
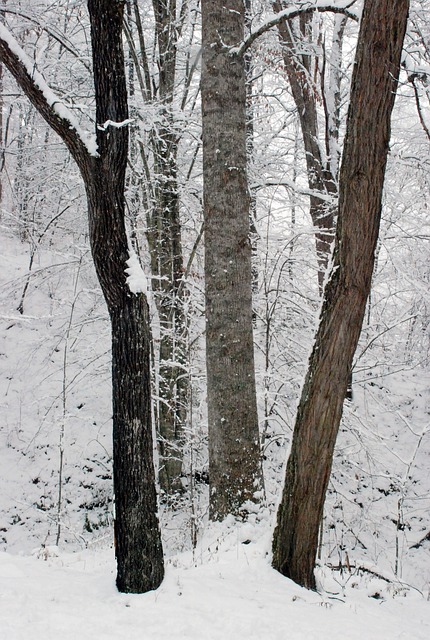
(154, 78)
(322, 160)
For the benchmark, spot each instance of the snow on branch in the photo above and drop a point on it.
(50, 106)
(292, 186)
(342, 6)
(61, 39)
(115, 125)
(415, 69)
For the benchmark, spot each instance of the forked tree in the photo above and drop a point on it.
(137, 535)
(361, 180)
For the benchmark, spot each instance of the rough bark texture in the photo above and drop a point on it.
(138, 543)
(234, 461)
(361, 182)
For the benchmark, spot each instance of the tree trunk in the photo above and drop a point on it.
(164, 239)
(319, 413)
(137, 535)
(138, 542)
(167, 268)
(320, 177)
(234, 455)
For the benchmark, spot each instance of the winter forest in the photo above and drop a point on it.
(214, 321)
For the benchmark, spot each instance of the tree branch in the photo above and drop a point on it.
(60, 39)
(289, 184)
(293, 12)
(80, 143)
(420, 112)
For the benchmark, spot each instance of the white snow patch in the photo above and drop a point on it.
(226, 591)
(115, 125)
(136, 279)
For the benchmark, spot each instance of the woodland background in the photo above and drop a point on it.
(55, 425)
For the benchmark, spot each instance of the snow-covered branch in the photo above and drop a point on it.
(415, 69)
(342, 6)
(290, 184)
(57, 114)
(60, 38)
(115, 125)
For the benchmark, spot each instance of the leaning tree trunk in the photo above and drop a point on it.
(137, 535)
(319, 413)
(234, 456)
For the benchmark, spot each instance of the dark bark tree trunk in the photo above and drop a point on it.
(137, 535)
(374, 84)
(234, 453)
(138, 543)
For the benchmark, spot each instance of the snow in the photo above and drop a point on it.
(115, 125)
(88, 140)
(136, 279)
(225, 588)
(227, 591)
(376, 516)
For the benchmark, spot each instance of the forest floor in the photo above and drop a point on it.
(226, 590)
(55, 394)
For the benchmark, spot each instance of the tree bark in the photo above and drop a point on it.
(373, 89)
(165, 245)
(138, 541)
(137, 535)
(234, 455)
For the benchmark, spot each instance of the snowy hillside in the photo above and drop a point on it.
(55, 395)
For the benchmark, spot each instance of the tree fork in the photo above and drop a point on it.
(138, 542)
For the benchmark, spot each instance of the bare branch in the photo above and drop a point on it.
(60, 39)
(289, 184)
(294, 12)
(420, 112)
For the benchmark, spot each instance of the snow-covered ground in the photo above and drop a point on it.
(55, 393)
(227, 591)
